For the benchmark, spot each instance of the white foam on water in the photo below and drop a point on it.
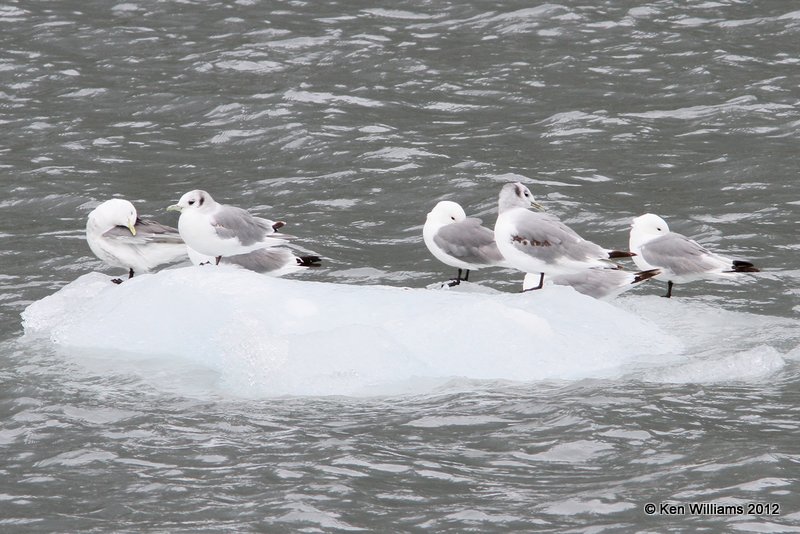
(260, 336)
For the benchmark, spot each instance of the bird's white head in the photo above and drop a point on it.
(650, 223)
(516, 195)
(114, 212)
(646, 228)
(446, 212)
(193, 200)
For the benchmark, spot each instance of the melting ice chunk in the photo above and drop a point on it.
(272, 336)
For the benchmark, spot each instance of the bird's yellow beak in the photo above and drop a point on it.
(132, 228)
(174, 207)
(538, 207)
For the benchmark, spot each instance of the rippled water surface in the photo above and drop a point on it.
(350, 120)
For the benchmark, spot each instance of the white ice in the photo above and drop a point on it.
(262, 336)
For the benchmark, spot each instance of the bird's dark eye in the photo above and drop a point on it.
(453, 218)
(191, 202)
(659, 229)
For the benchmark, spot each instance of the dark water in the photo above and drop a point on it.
(350, 120)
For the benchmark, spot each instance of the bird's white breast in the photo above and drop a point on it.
(198, 233)
(504, 231)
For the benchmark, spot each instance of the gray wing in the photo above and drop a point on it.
(546, 238)
(147, 231)
(264, 260)
(679, 254)
(232, 222)
(597, 283)
(468, 241)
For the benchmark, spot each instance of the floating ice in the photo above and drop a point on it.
(268, 336)
(262, 336)
(750, 364)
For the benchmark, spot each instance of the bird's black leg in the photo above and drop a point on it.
(118, 281)
(669, 289)
(218, 260)
(466, 275)
(541, 284)
(457, 280)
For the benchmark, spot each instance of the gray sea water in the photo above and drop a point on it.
(350, 120)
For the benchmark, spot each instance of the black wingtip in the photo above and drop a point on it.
(613, 254)
(645, 275)
(309, 261)
(744, 267)
(277, 225)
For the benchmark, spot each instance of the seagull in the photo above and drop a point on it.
(274, 261)
(459, 241)
(540, 242)
(679, 258)
(120, 238)
(597, 283)
(218, 230)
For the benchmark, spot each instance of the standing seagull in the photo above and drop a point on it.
(120, 238)
(541, 243)
(679, 258)
(458, 241)
(217, 230)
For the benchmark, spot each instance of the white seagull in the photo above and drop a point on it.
(218, 230)
(459, 241)
(679, 258)
(274, 261)
(541, 243)
(597, 283)
(120, 238)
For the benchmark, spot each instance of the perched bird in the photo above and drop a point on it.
(679, 258)
(541, 243)
(274, 261)
(218, 230)
(120, 238)
(597, 283)
(459, 241)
